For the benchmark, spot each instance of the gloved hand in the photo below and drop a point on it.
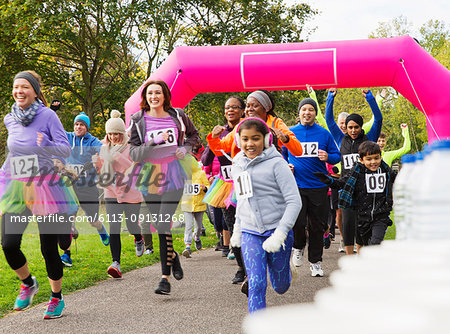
(335, 170)
(235, 240)
(274, 242)
(55, 105)
(323, 178)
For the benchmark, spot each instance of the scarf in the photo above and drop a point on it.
(25, 117)
(107, 152)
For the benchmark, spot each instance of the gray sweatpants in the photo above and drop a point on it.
(189, 218)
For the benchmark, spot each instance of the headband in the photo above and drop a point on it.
(355, 118)
(31, 79)
(262, 98)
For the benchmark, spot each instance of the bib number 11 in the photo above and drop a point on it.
(243, 186)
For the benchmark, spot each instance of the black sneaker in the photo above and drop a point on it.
(163, 287)
(198, 244)
(239, 277)
(244, 287)
(177, 271)
(225, 251)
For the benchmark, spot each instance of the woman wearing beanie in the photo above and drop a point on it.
(122, 202)
(35, 134)
(160, 137)
(349, 145)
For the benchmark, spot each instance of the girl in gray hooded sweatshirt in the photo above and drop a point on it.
(268, 203)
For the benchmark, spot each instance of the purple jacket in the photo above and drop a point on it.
(22, 140)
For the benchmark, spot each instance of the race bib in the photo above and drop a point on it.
(171, 141)
(191, 189)
(226, 172)
(310, 150)
(375, 183)
(78, 169)
(350, 160)
(24, 166)
(243, 186)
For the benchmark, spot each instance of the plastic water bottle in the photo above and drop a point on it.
(431, 200)
(400, 195)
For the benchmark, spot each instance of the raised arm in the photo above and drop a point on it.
(319, 117)
(329, 117)
(374, 132)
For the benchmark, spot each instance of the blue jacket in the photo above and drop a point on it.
(83, 148)
(305, 166)
(338, 135)
(276, 201)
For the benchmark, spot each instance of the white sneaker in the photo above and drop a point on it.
(297, 257)
(316, 269)
(341, 247)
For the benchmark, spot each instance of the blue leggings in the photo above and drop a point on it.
(257, 260)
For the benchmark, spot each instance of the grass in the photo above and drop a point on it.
(90, 262)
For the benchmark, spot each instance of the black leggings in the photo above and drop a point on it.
(13, 227)
(349, 228)
(162, 207)
(116, 213)
(229, 214)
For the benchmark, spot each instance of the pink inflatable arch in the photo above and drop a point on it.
(398, 62)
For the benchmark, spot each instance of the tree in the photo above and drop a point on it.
(83, 48)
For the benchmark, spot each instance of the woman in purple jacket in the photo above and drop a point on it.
(35, 134)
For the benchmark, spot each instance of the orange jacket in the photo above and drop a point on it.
(228, 144)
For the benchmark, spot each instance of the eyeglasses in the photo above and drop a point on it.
(232, 107)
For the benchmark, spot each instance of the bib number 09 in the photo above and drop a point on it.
(375, 183)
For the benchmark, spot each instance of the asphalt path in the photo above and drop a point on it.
(203, 302)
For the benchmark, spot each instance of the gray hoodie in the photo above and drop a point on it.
(276, 201)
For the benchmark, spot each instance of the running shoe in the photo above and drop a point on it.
(297, 257)
(104, 236)
(225, 251)
(54, 308)
(239, 277)
(198, 244)
(187, 252)
(177, 271)
(231, 255)
(316, 269)
(163, 287)
(341, 246)
(26, 294)
(219, 246)
(326, 241)
(66, 260)
(114, 270)
(244, 287)
(148, 251)
(139, 245)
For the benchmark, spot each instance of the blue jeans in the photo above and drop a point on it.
(257, 261)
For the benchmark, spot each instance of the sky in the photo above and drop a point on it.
(356, 19)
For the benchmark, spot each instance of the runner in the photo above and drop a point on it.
(35, 133)
(390, 156)
(159, 134)
(222, 187)
(318, 148)
(349, 144)
(121, 201)
(267, 205)
(193, 208)
(368, 190)
(84, 147)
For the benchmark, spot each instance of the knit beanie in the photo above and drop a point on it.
(115, 124)
(357, 118)
(308, 100)
(83, 118)
(60, 159)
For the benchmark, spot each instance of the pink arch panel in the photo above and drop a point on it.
(397, 62)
